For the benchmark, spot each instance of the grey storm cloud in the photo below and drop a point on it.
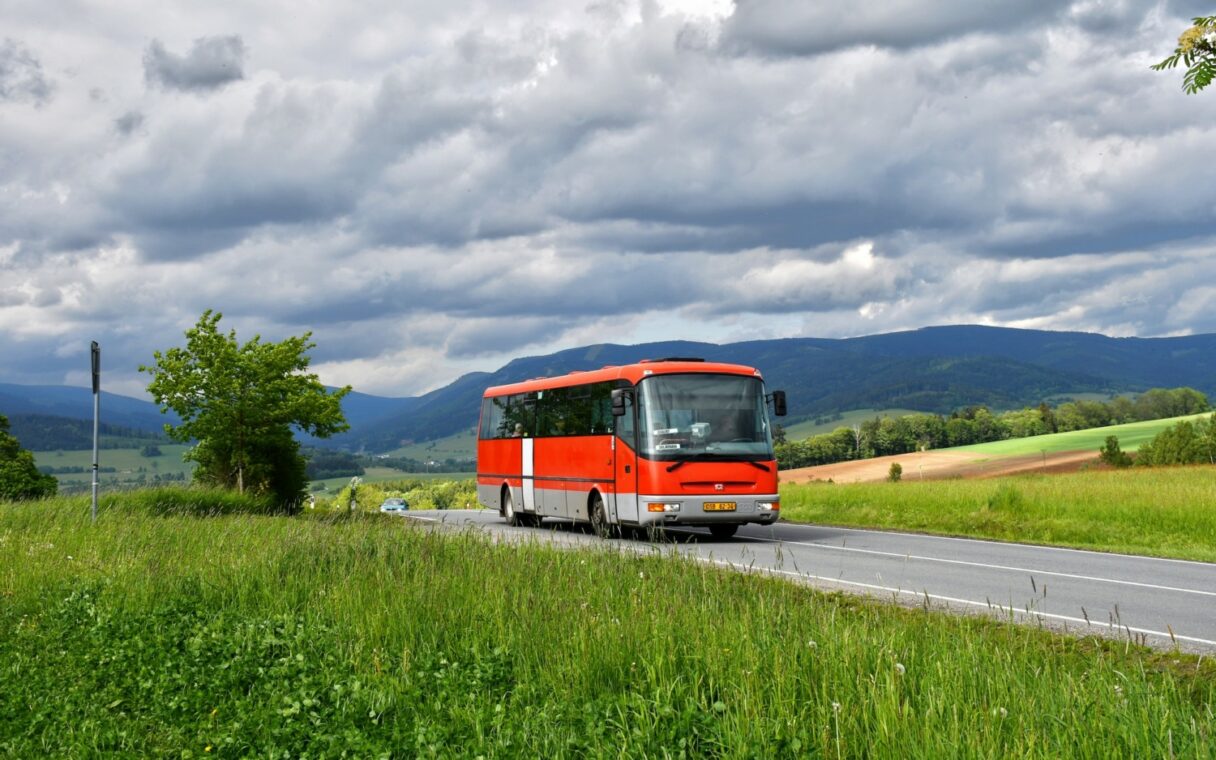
(21, 75)
(129, 122)
(211, 63)
(796, 27)
(436, 191)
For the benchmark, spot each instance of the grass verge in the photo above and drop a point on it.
(245, 635)
(1162, 512)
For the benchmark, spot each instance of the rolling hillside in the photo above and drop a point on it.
(935, 369)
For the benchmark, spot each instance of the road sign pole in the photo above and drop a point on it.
(95, 357)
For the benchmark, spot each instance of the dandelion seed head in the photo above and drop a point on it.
(899, 668)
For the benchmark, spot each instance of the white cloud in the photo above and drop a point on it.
(435, 187)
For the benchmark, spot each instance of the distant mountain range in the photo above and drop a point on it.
(936, 369)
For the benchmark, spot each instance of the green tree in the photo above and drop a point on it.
(1197, 51)
(895, 473)
(1112, 454)
(19, 476)
(240, 402)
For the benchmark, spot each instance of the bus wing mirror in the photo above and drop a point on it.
(779, 403)
(618, 401)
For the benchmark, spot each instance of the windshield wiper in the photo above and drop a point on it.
(710, 457)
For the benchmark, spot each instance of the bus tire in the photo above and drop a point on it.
(508, 509)
(599, 517)
(723, 531)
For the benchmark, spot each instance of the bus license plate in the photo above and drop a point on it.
(719, 506)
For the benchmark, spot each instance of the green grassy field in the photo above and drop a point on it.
(381, 474)
(457, 446)
(245, 635)
(127, 461)
(808, 428)
(1164, 512)
(1131, 435)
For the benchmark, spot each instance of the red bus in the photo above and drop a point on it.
(661, 442)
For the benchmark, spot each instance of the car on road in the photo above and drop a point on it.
(394, 505)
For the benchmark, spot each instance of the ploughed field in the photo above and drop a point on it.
(1058, 452)
(158, 630)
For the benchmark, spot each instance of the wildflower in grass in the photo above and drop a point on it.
(835, 707)
(999, 712)
(811, 644)
(899, 669)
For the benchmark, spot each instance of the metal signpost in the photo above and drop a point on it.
(95, 351)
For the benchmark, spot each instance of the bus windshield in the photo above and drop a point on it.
(688, 417)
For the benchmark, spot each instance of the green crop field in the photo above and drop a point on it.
(456, 446)
(128, 463)
(1164, 512)
(152, 633)
(1130, 435)
(808, 428)
(381, 474)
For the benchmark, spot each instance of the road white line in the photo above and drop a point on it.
(969, 563)
(941, 598)
(994, 542)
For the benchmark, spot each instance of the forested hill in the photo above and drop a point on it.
(41, 432)
(935, 369)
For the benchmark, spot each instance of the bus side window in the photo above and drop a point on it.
(601, 409)
(493, 411)
(626, 428)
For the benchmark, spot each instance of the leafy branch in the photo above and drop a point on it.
(1197, 51)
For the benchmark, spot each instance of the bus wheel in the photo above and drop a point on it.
(599, 517)
(723, 531)
(508, 509)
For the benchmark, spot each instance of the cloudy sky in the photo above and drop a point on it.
(433, 187)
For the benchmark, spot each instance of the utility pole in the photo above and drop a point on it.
(95, 362)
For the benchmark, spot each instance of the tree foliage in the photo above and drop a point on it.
(1112, 454)
(884, 436)
(1184, 443)
(240, 403)
(1197, 51)
(19, 476)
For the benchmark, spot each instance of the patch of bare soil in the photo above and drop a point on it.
(938, 465)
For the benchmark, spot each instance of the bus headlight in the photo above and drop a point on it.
(768, 506)
(660, 506)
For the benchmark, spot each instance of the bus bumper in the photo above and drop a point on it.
(708, 510)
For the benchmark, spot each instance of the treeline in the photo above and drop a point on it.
(324, 463)
(406, 464)
(44, 432)
(1186, 442)
(883, 436)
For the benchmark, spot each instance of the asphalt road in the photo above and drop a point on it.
(1160, 602)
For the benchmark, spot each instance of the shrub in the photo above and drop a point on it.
(895, 473)
(191, 501)
(19, 477)
(1112, 455)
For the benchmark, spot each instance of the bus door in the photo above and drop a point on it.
(529, 484)
(624, 445)
(527, 466)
